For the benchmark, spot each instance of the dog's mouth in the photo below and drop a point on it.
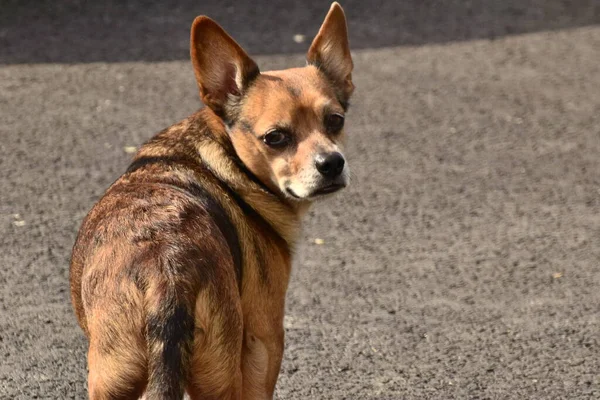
(325, 190)
(291, 193)
(332, 188)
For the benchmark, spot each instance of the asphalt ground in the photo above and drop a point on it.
(462, 263)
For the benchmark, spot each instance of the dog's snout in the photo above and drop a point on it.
(330, 165)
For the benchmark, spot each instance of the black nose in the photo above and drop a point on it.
(330, 165)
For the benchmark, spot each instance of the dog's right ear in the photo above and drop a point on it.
(330, 51)
(223, 69)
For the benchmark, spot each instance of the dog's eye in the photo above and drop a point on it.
(276, 138)
(334, 123)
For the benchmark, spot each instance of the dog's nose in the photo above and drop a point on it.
(330, 165)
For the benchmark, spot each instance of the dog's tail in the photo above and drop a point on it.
(169, 332)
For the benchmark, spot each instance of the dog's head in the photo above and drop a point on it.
(287, 126)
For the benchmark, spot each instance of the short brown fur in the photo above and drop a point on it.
(179, 273)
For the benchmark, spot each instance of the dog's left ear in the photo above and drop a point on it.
(223, 69)
(330, 51)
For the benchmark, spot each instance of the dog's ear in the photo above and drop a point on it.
(330, 51)
(223, 69)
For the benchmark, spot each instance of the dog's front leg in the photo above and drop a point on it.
(262, 354)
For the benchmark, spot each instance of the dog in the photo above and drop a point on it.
(179, 273)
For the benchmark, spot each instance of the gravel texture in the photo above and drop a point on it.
(462, 263)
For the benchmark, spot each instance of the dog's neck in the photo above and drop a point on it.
(220, 155)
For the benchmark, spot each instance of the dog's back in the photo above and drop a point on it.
(156, 240)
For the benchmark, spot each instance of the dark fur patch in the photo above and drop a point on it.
(212, 206)
(170, 332)
(253, 177)
(138, 278)
(345, 104)
(223, 222)
(143, 161)
(294, 91)
(245, 126)
(253, 215)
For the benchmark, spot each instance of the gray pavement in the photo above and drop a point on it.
(462, 263)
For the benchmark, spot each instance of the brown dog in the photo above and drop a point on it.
(179, 272)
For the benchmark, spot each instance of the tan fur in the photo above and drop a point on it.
(180, 271)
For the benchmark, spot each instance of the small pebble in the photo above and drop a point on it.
(130, 149)
(319, 241)
(299, 38)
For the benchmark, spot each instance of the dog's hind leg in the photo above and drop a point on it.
(116, 361)
(216, 356)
